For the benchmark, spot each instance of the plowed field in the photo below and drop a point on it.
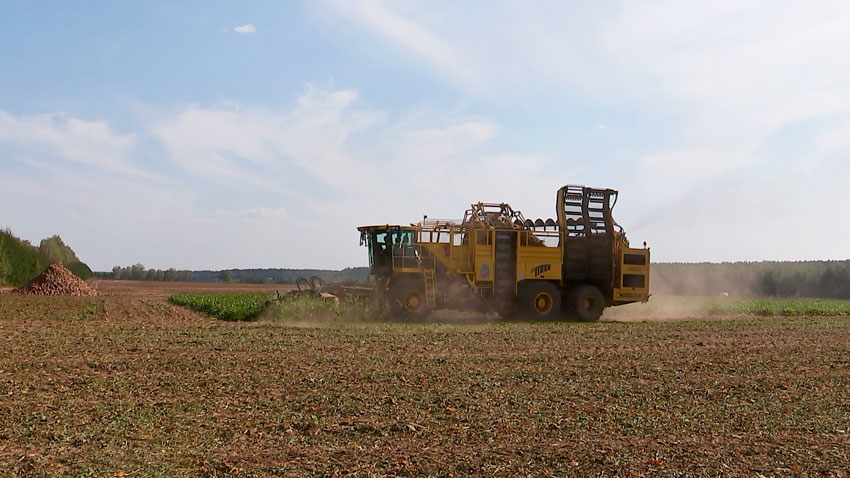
(126, 384)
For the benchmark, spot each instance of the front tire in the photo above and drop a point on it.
(408, 300)
(541, 300)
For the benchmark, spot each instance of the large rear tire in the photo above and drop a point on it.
(586, 303)
(541, 300)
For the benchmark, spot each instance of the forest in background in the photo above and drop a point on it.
(21, 261)
(139, 272)
(817, 279)
(246, 276)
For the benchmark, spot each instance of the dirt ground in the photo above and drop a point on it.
(126, 384)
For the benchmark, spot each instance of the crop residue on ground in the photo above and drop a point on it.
(114, 385)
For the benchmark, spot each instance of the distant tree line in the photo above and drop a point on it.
(138, 272)
(281, 276)
(818, 279)
(245, 276)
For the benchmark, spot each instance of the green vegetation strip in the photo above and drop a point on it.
(224, 306)
(311, 308)
(780, 307)
(303, 308)
(680, 307)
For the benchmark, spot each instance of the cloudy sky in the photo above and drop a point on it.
(261, 134)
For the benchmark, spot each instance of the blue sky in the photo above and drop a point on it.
(261, 134)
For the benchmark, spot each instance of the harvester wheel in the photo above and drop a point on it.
(408, 300)
(586, 303)
(541, 300)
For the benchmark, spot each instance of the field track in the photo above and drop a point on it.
(127, 384)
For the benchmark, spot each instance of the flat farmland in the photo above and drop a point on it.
(127, 384)
(164, 289)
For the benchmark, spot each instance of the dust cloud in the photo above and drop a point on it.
(662, 309)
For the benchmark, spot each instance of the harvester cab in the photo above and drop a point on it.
(387, 244)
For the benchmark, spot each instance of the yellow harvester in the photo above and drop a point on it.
(496, 259)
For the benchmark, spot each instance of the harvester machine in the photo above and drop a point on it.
(497, 260)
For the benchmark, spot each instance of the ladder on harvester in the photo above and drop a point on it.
(430, 287)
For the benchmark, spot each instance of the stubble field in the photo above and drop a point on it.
(127, 384)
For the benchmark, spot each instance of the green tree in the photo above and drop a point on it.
(767, 284)
(137, 272)
(19, 260)
(56, 251)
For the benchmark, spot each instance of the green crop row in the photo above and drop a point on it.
(669, 307)
(224, 306)
(299, 309)
(249, 306)
(780, 307)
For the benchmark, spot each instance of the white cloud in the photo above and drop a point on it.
(258, 146)
(702, 56)
(679, 171)
(739, 69)
(107, 219)
(254, 214)
(43, 137)
(328, 139)
(245, 29)
(728, 73)
(834, 140)
(431, 46)
(440, 143)
(317, 133)
(743, 87)
(744, 218)
(266, 212)
(343, 165)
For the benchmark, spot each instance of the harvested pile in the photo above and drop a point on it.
(56, 280)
